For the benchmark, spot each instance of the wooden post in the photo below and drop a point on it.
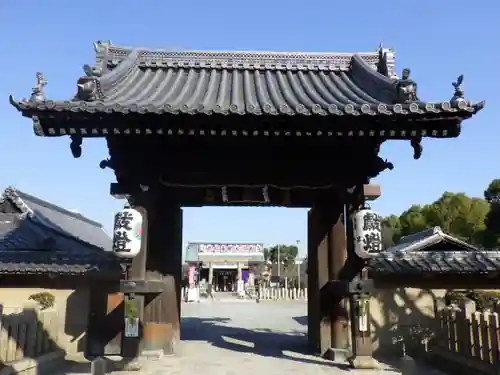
(164, 262)
(327, 253)
(338, 315)
(362, 346)
(160, 258)
(132, 347)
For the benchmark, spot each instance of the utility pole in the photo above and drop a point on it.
(298, 263)
(279, 263)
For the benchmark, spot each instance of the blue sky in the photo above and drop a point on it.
(437, 40)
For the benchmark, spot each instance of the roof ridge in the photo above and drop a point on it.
(16, 197)
(10, 193)
(111, 48)
(428, 237)
(109, 55)
(56, 208)
(35, 221)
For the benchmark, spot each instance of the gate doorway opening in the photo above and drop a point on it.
(225, 280)
(227, 265)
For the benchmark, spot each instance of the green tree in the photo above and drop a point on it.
(459, 215)
(266, 254)
(492, 193)
(287, 254)
(491, 234)
(391, 231)
(414, 220)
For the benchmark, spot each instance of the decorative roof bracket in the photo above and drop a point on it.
(417, 147)
(76, 146)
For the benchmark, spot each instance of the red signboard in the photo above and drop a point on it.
(191, 271)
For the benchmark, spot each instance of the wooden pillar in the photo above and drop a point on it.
(210, 273)
(327, 253)
(239, 275)
(337, 254)
(160, 259)
(164, 262)
(362, 346)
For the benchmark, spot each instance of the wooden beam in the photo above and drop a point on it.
(371, 192)
(139, 287)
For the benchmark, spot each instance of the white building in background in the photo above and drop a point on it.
(222, 264)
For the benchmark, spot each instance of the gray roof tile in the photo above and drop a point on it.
(28, 247)
(429, 237)
(440, 262)
(414, 254)
(238, 83)
(36, 262)
(59, 219)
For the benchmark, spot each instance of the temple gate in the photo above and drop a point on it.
(193, 128)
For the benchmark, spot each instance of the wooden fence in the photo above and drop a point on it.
(270, 294)
(26, 333)
(469, 337)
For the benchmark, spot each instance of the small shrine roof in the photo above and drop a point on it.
(434, 251)
(437, 262)
(29, 247)
(427, 238)
(65, 222)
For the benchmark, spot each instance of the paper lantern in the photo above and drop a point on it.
(367, 229)
(127, 234)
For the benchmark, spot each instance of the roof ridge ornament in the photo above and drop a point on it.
(88, 87)
(387, 61)
(406, 88)
(37, 94)
(101, 49)
(459, 96)
(92, 71)
(10, 193)
(101, 46)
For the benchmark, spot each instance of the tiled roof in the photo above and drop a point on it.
(433, 251)
(36, 262)
(442, 262)
(238, 83)
(429, 237)
(28, 247)
(59, 219)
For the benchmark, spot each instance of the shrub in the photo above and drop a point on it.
(483, 299)
(131, 309)
(46, 300)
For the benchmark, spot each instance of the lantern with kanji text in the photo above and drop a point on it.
(367, 230)
(127, 233)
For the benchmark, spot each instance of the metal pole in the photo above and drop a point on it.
(279, 264)
(298, 272)
(298, 264)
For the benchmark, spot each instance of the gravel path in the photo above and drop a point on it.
(246, 338)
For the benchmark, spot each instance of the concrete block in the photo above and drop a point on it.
(98, 366)
(337, 355)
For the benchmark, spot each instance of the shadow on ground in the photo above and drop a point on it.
(302, 320)
(291, 345)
